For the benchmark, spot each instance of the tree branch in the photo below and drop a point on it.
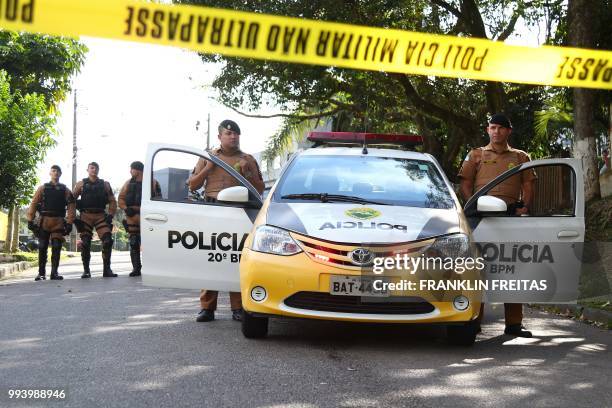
(510, 28)
(447, 7)
(288, 115)
(431, 109)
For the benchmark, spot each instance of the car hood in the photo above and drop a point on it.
(355, 223)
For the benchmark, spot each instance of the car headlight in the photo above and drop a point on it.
(274, 240)
(451, 246)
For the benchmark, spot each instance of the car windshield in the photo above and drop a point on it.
(384, 180)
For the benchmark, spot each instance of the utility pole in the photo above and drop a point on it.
(208, 134)
(73, 234)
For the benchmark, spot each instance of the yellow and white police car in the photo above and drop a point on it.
(307, 250)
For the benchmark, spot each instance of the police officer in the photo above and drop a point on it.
(216, 180)
(484, 164)
(95, 194)
(55, 205)
(130, 198)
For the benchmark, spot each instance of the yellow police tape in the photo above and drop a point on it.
(278, 38)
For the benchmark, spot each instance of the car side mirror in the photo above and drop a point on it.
(489, 205)
(237, 194)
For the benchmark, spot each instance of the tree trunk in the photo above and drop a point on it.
(582, 14)
(9, 231)
(15, 240)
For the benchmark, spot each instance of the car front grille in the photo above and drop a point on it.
(338, 254)
(321, 301)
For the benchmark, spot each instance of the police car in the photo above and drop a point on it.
(306, 251)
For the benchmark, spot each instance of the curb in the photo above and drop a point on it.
(578, 311)
(13, 268)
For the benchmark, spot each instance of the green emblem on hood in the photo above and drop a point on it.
(362, 213)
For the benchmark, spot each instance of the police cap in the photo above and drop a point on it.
(229, 125)
(501, 120)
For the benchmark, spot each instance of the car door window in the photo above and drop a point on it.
(172, 170)
(553, 191)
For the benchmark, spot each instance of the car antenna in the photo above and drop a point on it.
(365, 126)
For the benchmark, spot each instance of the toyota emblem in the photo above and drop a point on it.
(361, 256)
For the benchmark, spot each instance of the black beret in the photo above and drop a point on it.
(230, 125)
(137, 166)
(501, 120)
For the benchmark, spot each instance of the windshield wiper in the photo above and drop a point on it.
(324, 197)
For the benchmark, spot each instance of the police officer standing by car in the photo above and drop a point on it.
(483, 165)
(55, 205)
(130, 198)
(95, 194)
(216, 180)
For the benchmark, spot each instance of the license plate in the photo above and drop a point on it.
(355, 286)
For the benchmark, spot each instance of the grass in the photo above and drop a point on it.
(601, 305)
(32, 257)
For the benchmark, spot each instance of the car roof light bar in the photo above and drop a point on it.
(320, 138)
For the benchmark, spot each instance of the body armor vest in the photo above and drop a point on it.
(93, 195)
(133, 198)
(54, 200)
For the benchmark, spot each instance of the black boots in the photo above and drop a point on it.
(42, 260)
(107, 249)
(205, 316)
(85, 257)
(517, 330)
(106, 262)
(136, 265)
(135, 254)
(237, 315)
(56, 248)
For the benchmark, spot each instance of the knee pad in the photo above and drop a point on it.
(86, 242)
(56, 243)
(43, 242)
(107, 241)
(134, 241)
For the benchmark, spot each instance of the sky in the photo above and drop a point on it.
(132, 94)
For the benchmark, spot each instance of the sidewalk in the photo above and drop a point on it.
(9, 269)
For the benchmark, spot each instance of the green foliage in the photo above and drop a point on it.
(35, 73)
(40, 64)
(451, 114)
(26, 127)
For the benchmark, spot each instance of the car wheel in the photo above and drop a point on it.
(462, 335)
(254, 327)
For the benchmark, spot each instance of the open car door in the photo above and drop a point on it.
(187, 242)
(538, 254)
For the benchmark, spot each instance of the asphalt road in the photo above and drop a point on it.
(115, 343)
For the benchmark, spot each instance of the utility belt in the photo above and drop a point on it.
(52, 214)
(93, 210)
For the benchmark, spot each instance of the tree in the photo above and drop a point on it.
(26, 126)
(35, 72)
(450, 113)
(40, 64)
(582, 18)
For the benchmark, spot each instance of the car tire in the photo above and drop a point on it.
(462, 335)
(254, 327)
